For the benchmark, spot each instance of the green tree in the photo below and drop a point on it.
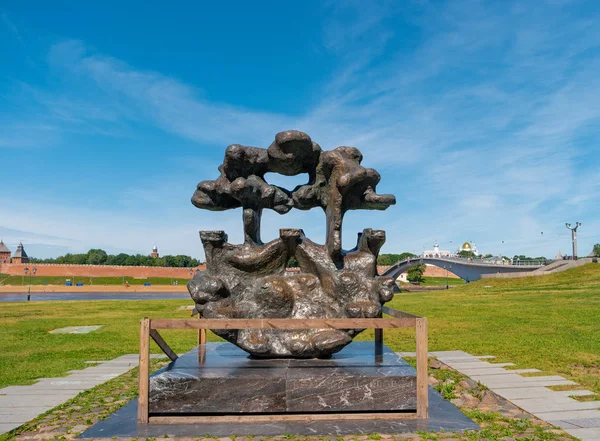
(391, 259)
(466, 253)
(415, 273)
(96, 257)
(100, 257)
(596, 250)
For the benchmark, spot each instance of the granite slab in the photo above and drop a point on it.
(443, 416)
(220, 378)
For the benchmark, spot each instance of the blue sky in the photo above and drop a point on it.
(482, 117)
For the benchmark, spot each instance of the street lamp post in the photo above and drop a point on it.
(33, 271)
(574, 237)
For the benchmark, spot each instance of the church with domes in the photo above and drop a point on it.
(436, 252)
(469, 247)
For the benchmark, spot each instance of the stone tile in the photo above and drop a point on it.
(524, 392)
(590, 434)
(492, 384)
(546, 378)
(507, 377)
(568, 415)
(575, 393)
(563, 425)
(468, 364)
(19, 404)
(524, 371)
(8, 402)
(27, 390)
(21, 415)
(7, 427)
(552, 405)
(450, 354)
(75, 330)
(484, 371)
(584, 422)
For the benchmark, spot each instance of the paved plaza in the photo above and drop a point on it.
(19, 404)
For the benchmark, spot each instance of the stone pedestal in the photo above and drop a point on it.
(223, 379)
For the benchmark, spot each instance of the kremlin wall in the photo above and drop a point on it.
(137, 272)
(16, 267)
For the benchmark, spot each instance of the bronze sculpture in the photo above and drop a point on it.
(250, 280)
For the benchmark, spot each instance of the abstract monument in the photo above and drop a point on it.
(250, 280)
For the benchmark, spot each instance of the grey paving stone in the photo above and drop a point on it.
(7, 427)
(568, 415)
(19, 404)
(484, 371)
(549, 405)
(575, 393)
(468, 365)
(524, 371)
(25, 390)
(585, 422)
(522, 384)
(546, 378)
(450, 354)
(22, 415)
(524, 392)
(591, 434)
(50, 387)
(29, 401)
(563, 424)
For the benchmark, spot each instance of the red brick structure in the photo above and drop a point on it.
(20, 255)
(154, 252)
(4, 254)
(138, 272)
(430, 271)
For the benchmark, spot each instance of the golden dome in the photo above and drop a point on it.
(466, 246)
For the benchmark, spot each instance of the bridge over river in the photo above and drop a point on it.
(468, 269)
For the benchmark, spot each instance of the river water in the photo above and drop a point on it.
(52, 296)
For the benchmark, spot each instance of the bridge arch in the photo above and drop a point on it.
(466, 269)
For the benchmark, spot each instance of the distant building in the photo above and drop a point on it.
(4, 253)
(20, 255)
(468, 246)
(154, 252)
(436, 252)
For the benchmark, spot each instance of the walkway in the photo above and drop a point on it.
(19, 404)
(580, 419)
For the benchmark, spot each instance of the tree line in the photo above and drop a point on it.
(101, 257)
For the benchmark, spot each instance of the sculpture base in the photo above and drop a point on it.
(221, 379)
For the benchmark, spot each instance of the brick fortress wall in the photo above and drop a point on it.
(436, 271)
(141, 272)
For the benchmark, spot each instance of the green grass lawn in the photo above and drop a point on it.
(61, 280)
(439, 281)
(550, 323)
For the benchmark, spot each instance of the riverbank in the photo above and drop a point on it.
(12, 289)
